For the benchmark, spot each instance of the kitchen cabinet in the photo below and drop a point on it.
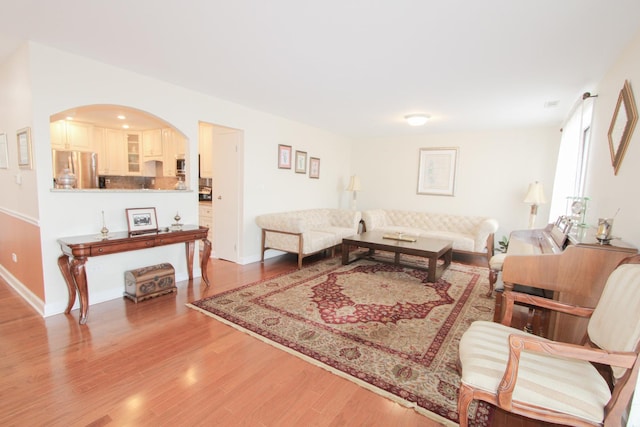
(66, 135)
(173, 147)
(206, 219)
(100, 147)
(79, 136)
(112, 155)
(134, 152)
(205, 146)
(152, 146)
(58, 135)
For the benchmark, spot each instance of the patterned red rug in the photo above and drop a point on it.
(382, 326)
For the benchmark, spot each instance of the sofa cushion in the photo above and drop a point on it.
(461, 242)
(316, 240)
(339, 232)
(313, 241)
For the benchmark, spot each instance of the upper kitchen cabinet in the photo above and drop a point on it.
(112, 151)
(128, 143)
(70, 136)
(173, 148)
(134, 152)
(152, 146)
(205, 146)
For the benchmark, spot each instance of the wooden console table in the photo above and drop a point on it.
(76, 250)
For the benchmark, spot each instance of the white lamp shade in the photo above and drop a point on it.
(535, 195)
(354, 183)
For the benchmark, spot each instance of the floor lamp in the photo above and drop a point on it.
(354, 186)
(535, 197)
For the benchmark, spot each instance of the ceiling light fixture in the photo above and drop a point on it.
(417, 119)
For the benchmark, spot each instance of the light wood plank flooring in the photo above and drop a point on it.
(160, 363)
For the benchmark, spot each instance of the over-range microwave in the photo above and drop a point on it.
(181, 166)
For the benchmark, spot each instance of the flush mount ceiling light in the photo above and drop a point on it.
(416, 119)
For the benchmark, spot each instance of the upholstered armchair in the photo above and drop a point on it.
(552, 381)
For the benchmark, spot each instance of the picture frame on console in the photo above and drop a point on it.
(437, 171)
(142, 220)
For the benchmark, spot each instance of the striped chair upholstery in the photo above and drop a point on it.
(553, 384)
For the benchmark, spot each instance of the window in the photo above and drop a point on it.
(573, 158)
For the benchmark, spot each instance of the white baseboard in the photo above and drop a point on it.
(23, 291)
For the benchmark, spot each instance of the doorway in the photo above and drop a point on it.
(220, 147)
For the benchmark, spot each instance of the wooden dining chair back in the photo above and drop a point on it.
(552, 381)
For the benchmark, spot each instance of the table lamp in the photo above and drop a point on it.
(535, 197)
(354, 186)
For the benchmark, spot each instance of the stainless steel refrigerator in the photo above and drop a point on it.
(84, 165)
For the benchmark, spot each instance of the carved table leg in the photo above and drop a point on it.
(63, 264)
(80, 277)
(189, 248)
(206, 253)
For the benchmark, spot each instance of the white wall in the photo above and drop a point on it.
(493, 173)
(15, 114)
(60, 81)
(609, 192)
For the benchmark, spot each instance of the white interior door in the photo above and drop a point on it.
(226, 193)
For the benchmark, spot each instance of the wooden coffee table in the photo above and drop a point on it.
(432, 249)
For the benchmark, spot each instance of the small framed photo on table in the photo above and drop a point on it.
(142, 220)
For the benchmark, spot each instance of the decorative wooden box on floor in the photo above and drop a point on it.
(149, 282)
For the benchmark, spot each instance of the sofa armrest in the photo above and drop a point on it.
(282, 222)
(374, 218)
(346, 218)
(484, 231)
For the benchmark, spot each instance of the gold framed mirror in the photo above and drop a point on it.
(624, 120)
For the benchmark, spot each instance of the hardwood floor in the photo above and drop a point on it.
(160, 363)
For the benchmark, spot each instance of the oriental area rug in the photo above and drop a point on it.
(380, 325)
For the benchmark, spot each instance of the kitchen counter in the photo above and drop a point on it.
(115, 190)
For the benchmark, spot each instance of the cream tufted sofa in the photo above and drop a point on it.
(469, 234)
(307, 232)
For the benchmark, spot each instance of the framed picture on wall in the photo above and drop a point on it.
(4, 152)
(622, 124)
(284, 156)
(437, 171)
(24, 148)
(301, 161)
(314, 167)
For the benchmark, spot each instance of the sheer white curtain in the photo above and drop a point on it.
(572, 157)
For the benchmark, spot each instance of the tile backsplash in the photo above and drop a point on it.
(138, 182)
